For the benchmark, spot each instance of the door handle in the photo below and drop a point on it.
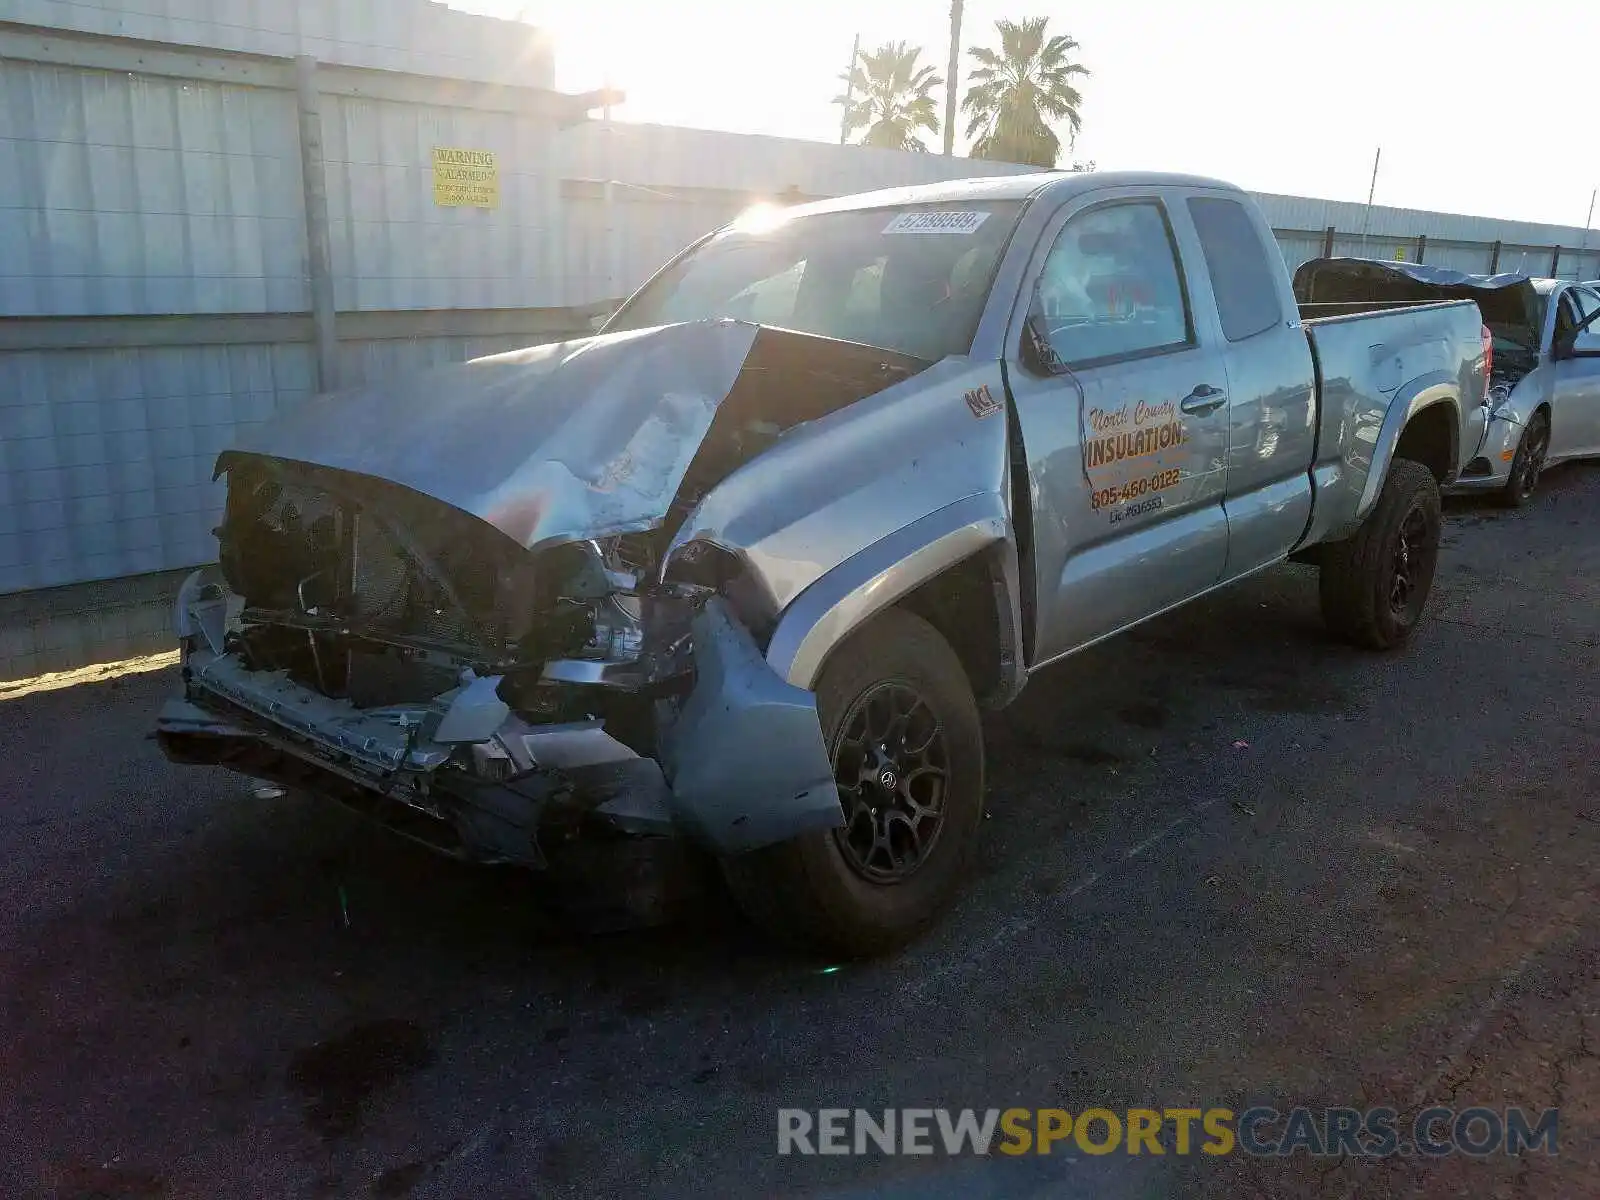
(1204, 399)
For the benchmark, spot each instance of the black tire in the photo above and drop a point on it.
(1528, 462)
(1376, 583)
(818, 890)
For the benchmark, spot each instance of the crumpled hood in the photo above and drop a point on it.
(577, 439)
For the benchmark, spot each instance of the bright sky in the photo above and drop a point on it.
(1274, 96)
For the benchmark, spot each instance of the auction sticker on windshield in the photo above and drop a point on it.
(936, 222)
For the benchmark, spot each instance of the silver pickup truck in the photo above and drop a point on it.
(739, 570)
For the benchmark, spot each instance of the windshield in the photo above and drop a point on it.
(912, 279)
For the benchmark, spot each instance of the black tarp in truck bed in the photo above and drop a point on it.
(1510, 305)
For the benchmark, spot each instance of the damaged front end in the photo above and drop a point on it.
(479, 704)
(501, 670)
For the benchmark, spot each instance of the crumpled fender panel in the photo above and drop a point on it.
(745, 758)
(863, 491)
(838, 485)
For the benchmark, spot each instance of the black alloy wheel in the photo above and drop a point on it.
(890, 761)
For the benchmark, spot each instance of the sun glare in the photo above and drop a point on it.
(761, 218)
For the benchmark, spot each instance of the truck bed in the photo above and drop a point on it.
(1377, 365)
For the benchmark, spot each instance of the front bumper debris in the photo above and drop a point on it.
(745, 764)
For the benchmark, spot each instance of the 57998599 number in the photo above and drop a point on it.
(1134, 488)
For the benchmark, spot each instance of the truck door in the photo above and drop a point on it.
(1125, 432)
(1272, 412)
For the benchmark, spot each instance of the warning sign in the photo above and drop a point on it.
(465, 178)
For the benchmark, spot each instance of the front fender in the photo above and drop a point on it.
(850, 594)
(745, 757)
(1532, 390)
(833, 488)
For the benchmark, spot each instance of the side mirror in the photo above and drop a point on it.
(1038, 355)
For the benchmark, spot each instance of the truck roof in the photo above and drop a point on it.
(1056, 184)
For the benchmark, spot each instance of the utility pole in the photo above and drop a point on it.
(1587, 221)
(1366, 222)
(951, 77)
(849, 90)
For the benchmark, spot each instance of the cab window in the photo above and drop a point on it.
(1111, 286)
(1244, 278)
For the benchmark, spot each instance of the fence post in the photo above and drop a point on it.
(313, 174)
(1494, 257)
(1327, 242)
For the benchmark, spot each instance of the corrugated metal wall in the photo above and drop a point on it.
(391, 358)
(413, 36)
(124, 194)
(665, 156)
(394, 248)
(671, 185)
(134, 194)
(106, 455)
(127, 195)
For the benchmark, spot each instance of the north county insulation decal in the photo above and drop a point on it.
(1132, 431)
(1124, 455)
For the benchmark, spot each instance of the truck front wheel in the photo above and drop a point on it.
(1375, 583)
(902, 729)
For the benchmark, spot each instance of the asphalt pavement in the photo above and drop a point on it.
(1227, 861)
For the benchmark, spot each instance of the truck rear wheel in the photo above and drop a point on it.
(902, 729)
(1376, 583)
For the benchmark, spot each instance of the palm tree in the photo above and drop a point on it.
(891, 97)
(1018, 92)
